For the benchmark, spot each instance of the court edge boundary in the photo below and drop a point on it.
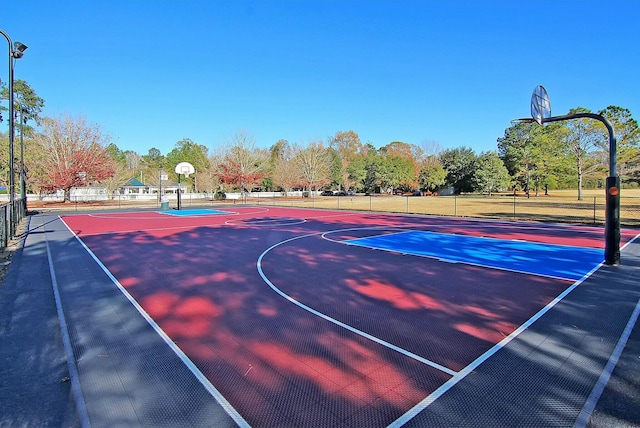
(217, 395)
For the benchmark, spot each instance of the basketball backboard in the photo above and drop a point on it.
(185, 168)
(540, 105)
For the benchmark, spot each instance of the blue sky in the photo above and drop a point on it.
(153, 72)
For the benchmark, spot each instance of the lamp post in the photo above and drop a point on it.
(23, 186)
(15, 51)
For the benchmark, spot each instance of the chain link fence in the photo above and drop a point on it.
(590, 210)
(561, 209)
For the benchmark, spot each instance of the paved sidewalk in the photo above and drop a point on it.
(34, 378)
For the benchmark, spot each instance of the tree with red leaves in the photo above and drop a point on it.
(75, 155)
(243, 166)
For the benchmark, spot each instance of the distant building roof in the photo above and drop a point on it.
(134, 182)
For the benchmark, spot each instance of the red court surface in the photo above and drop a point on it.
(294, 328)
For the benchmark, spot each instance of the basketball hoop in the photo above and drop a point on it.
(541, 113)
(185, 168)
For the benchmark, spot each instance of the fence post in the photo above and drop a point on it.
(594, 209)
(455, 205)
(514, 205)
(5, 226)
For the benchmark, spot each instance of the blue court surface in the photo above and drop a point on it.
(557, 261)
(187, 213)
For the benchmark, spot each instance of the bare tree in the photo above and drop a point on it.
(583, 139)
(285, 173)
(121, 174)
(313, 164)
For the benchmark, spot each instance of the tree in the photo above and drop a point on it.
(627, 136)
(432, 175)
(491, 175)
(133, 161)
(347, 146)
(74, 154)
(534, 155)
(460, 165)
(154, 159)
(242, 165)
(583, 138)
(411, 155)
(283, 169)
(313, 164)
(519, 152)
(372, 167)
(397, 172)
(186, 150)
(27, 107)
(121, 171)
(26, 101)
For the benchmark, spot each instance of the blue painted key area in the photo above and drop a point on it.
(558, 261)
(186, 213)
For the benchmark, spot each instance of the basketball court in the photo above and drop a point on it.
(256, 316)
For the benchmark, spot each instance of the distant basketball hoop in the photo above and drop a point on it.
(183, 168)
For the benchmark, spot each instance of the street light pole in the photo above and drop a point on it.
(23, 187)
(15, 51)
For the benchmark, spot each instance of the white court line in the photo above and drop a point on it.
(281, 221)
(217, 395)
(339, 323)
